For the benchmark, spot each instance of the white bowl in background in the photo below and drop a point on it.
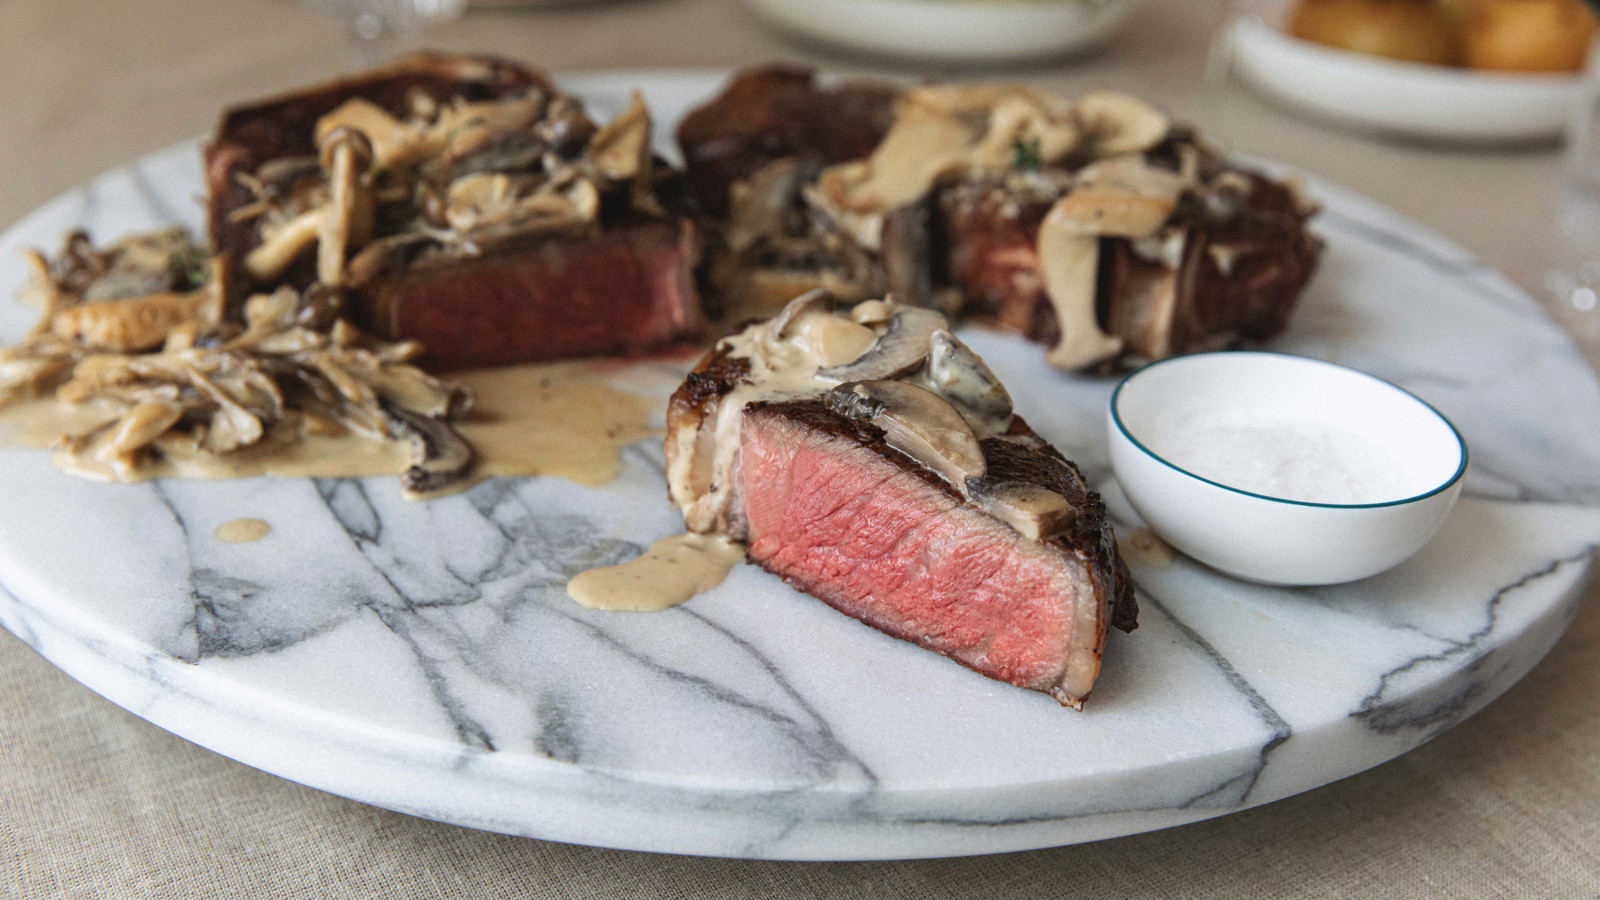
(956, 31)
(1283, 469)
(1418, 100)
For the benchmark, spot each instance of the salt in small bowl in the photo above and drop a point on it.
(1283, 469)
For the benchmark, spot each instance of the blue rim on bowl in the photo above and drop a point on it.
(1461, 444)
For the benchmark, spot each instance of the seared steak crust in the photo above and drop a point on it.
(1091, 533)
(775, 112)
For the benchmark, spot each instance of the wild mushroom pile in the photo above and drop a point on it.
(130, 329)
(446, 180)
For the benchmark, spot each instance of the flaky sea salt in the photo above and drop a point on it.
(1288, 459)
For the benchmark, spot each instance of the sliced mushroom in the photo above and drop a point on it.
(379, 256)
(1035, 512)
(621, 150)
(231, 425)
(25, 376)
(469, 133)
(897, 351)
(1116, 198)
(1117, 123)
(759, 207)
(962, 377)
(412, 389)
(918, 423)
(440, 458)
(816, 299)
(120, 446)
(873, 312)
(1030, 118)
(489, 209)
(348, 219)
(1069, 260)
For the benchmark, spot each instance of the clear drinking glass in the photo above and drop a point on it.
(376, 30)
(1572, 282)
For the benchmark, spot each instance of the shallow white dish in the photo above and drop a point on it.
(424, 657)
(952, 30)
(1282, 469)
(1401, 98)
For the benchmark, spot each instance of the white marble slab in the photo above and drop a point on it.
(425, 657)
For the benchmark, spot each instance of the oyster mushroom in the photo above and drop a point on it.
(1116, 123)
(897, 351)
(139, 427)
(394, 143)
(359, 406)
(231, 425)
(347, 220)
(413, 390)
(918, 423)
(1122, 197)
(127, 325)
(488, 209)
(280, 246)
(621, 150)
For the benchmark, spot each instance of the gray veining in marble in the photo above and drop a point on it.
(425, 657)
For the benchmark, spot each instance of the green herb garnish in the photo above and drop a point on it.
(1025, 154)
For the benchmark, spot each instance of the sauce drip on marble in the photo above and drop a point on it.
(673, 570)
(243, 531)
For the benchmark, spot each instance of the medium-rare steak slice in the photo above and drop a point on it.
(626, 292)
(463, 202)
(872, 460)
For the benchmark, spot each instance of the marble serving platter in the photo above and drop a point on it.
(424, 657)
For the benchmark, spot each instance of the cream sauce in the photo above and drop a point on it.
(242, 531)
(782, 366)
(674, 569)
(1144, 547)
(558, 419)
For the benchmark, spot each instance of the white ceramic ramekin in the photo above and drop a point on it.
(1414, 461)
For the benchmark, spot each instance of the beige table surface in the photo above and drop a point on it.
(95, 802)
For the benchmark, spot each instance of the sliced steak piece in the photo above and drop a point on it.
(629, 291)
(916, 500)
(835, 512)
(525, 232)
(1243, 258)
(778, 112)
